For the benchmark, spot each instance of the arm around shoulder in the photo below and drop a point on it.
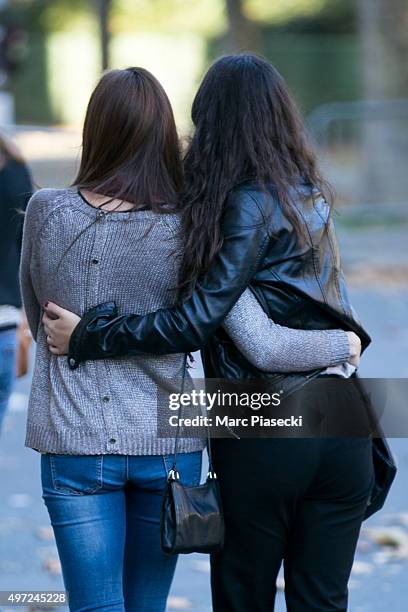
(273, 348)
(187, 326)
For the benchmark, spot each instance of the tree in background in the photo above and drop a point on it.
(242, 34)
(383, 27)
(313, 42)
(104, 8)
(384, 59)
(394, 20)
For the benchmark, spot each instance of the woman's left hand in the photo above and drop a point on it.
(59, 325)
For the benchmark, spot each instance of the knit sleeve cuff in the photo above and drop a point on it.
(339, 346)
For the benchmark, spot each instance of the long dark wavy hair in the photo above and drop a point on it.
(130, 147)
(247, 127)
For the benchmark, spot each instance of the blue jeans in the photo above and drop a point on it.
(8, 344)
(105, 512)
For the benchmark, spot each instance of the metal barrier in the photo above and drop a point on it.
(363, 146)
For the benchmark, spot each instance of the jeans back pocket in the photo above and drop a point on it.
(189, 466)
(76, 474)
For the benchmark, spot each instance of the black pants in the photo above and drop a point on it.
(297, 500)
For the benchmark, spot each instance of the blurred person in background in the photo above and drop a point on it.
(256, 212)
(115, 235)
(15, 191)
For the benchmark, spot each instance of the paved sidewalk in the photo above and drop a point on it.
(28, 558)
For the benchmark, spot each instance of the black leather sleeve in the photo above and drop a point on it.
(187, 326)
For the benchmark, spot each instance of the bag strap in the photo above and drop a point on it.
(174, 474)
(176, 442)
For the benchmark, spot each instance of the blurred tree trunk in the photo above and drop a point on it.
(242, 34)
(394, 16)
(103, 17)
(375, 179)
(372, 48)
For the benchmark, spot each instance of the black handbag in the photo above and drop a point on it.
(384, 463)
(191, 518)
(385, 470)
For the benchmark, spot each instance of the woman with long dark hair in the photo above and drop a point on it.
(114, 236)
(255, 213)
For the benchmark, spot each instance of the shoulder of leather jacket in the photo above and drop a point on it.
(250, 205)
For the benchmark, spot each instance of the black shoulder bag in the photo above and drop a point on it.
(384, 463)
(192, 519)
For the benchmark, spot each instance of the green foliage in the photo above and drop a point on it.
(334, 16)
(204, 17)
(30, 88)
(319, 68)
(312, 42)
(281, 11)
(47, 15)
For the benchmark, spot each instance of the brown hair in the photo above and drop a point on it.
(130, 147)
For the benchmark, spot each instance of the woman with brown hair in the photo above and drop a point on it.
(15, 191)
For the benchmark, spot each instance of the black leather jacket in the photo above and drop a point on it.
(298, 283)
